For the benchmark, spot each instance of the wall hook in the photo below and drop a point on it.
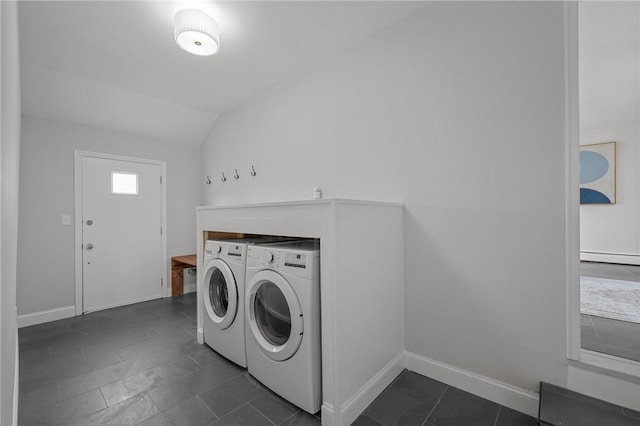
(236, 175)
(253, 171)
(223, 178)
(208, 180)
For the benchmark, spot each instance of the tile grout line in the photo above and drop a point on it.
(197, 363)
(261, 413)
(103, 398)
(208, 408)
(233, 411)
(497, 415)
(185, 331)
(593, 326)
(215, 387)
(154, 405)
(291, 416)
(435, 405)
(76, 420)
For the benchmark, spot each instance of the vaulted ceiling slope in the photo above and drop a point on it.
(114, 64)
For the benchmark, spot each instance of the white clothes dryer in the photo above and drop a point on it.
(223, 286)
(283, 320)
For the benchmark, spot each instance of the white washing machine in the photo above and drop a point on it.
(223, 294)
(283, 320)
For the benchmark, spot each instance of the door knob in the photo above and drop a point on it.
(89, 246)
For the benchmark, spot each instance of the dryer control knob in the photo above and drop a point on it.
(217, 249)
(269, 257)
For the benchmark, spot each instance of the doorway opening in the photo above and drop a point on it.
(609, 138)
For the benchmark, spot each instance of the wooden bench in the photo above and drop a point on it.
(178, 264)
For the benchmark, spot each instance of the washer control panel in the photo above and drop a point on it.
(226, 250)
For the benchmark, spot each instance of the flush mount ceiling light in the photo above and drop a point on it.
(196, 32)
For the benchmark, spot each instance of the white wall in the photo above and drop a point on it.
(9, 166)
(458, 112)
(46, 248)
(610, 111)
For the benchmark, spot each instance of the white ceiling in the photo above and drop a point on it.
(115, 64)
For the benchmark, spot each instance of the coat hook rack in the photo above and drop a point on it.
(236, 175)
(208, 180)
(253, 171)
(223, 178)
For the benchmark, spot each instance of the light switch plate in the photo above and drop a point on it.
(66, 219)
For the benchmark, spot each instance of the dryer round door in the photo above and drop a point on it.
(275, 315)
(220, 293)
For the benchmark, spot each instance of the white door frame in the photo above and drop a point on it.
(572, 183)
(609, 365)
(78, 156)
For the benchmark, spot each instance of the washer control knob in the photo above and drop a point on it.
(269, 257)
(217, 249)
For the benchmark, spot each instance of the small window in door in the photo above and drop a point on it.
(124, 183)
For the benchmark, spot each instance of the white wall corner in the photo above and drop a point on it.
(484, 387)
(369, 392)
(46, 316)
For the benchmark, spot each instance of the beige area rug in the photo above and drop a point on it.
(608, 298)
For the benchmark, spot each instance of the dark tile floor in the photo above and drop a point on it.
(141, 364)
(562, 407)
(605, 335)
(609, 336)
(413, 399)
(610, 270)
(138, 364)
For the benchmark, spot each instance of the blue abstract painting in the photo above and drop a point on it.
(598, 173)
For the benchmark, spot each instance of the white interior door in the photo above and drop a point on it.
(121, 232)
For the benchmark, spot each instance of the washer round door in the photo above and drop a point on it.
(220, 293)
(275, 315)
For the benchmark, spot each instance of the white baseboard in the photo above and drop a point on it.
(130, 302)
(327, 414)
(46, 316)
(370, 391)
(189, 288)
(485, 387)
(623, 258)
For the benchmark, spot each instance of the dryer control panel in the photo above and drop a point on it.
(295, 260)
(278, 259)
(300, 263)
